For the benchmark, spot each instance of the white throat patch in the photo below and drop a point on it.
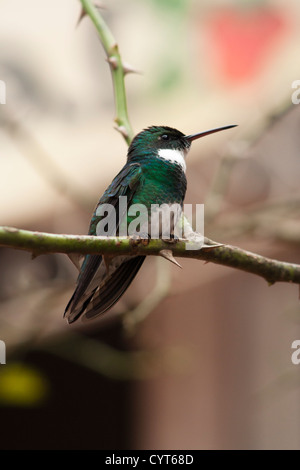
(173, 156)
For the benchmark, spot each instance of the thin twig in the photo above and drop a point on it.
(133, 317)
(119, 365)
(117, 68)
(34, 152)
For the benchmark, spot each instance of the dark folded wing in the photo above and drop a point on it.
(93, 275)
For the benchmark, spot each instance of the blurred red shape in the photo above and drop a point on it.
(241, 40)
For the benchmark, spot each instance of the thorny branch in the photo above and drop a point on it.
(118, 69)
(40, 243)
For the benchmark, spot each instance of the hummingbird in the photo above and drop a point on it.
(154, 173)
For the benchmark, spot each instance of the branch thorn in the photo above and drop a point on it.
(129, 69)
(107, 260)
(81, 16)
(113, 62)
(122, 130)
(167, 254)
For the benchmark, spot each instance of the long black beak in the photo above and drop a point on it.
(203, 134)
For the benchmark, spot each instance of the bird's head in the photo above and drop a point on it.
(163, 140)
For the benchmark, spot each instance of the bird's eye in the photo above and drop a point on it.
(165, 137)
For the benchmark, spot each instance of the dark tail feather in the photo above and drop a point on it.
(111, 291)
(72, 315)
(88, 270)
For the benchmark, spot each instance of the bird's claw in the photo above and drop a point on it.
(140, 238)
(171, 240)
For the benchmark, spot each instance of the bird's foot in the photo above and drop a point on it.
(201, 242)
(140, 238)
(172, 239)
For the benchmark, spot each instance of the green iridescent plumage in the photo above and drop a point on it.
(153, 174)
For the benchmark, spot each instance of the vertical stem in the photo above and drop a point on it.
(117, 71)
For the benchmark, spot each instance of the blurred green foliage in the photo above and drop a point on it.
(176, 6)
